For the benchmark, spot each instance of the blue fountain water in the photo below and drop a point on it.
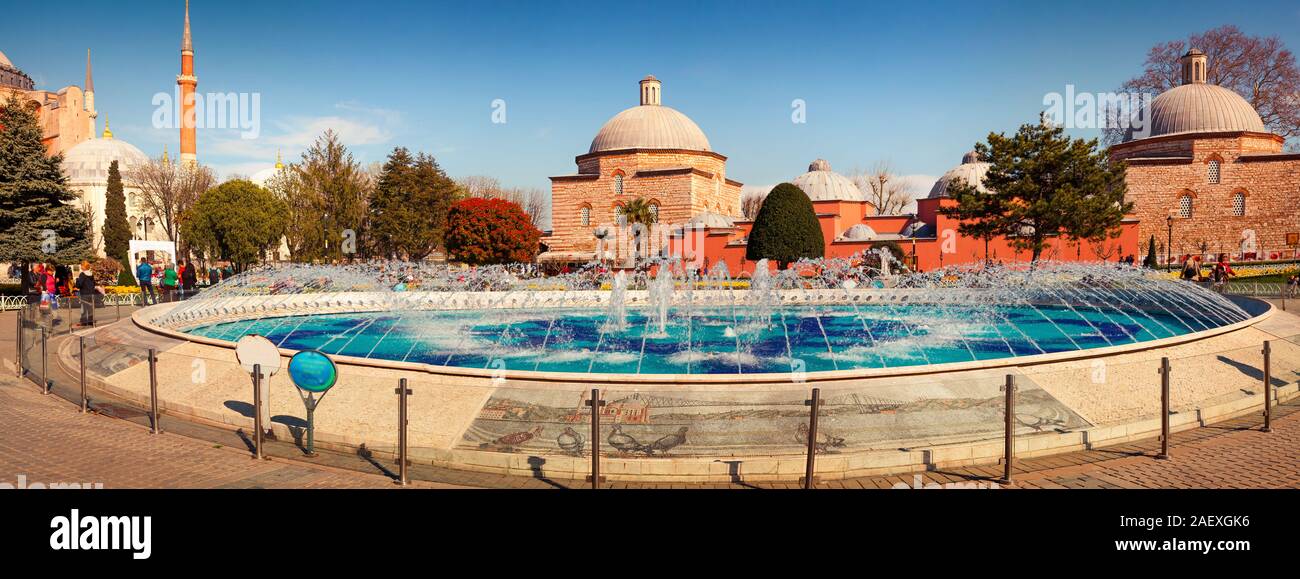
(859, 336)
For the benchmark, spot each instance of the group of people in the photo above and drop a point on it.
(1220, 271)
(47, 283)
(174, 281)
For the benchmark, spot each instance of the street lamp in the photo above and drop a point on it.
(1169, 242)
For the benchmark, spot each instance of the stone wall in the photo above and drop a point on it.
(1271, 187)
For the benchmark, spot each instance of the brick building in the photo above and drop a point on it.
(649, 151)
(1206, 177)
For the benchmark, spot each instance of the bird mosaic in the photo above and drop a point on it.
(571, 441)
(512, 440)
(824, 442)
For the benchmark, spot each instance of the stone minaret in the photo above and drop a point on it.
(650, 91)
(1194, 67)
(187, 82)
(90, 97)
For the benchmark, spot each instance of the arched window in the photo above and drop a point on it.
(618, 184)
(618, 213)
(654, 212)
(1238, 204)
(1185, 206)
(1213, 171)
(586, 215)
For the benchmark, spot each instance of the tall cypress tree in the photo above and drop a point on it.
(39, 221)
(117, 232)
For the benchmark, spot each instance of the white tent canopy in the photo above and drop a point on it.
(138, 247)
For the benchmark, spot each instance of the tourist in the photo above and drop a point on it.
(189, 277)
(33, 280)
(1221, 273)
(1191, 269)
(144, 276)
(50, 288)
(169, 280)
(87, 291)
(214, 275)
(1293, 285)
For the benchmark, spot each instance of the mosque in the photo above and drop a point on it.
(1207, 178)
(68, 122)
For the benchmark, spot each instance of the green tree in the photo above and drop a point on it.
(117, 231)
(1042, 184)
(786, 229)
(236, 221)
(1151, 262)
(327, 203)
(408, 207)
(38, 220)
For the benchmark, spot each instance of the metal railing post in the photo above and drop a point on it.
(18, 341)
(118, 308)
(257, 412)
(402, 423)
(595, 403)
(1268, 387)
(1164, 409)
(810, 467)
(154, 428)
(81, 354)
(45, 359)
(1009, 436)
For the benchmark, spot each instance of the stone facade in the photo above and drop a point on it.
(681, 183)
(1162, 170)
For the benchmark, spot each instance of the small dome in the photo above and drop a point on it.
(711, 220)
(650, 127)
(859, 232)
(87, 163)
(820, 183)
(4, 60)
(1199, 108)
(971, 170)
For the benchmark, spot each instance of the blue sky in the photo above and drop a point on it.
(913, 83)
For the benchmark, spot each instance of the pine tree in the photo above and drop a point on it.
(409, 205)
(39, 221)
(117, 232)
(786, 229)
(1041, 184)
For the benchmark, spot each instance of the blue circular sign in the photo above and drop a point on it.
(312, 371)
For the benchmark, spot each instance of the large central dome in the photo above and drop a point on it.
(1197, 106)
(650, 126)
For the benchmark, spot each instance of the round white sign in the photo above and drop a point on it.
(254, 349)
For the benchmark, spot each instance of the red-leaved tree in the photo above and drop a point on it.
(490, 231)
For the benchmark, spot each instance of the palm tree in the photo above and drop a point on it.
(639, 211)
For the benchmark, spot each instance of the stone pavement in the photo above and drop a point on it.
(45, 439)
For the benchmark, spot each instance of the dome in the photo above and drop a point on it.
(1199, 108)
(4, 60)
(650, 126)
(711, 220)
(87, 163)
(971, 170)
(859, 232)
(820, 183)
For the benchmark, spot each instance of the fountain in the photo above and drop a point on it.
(831, 314)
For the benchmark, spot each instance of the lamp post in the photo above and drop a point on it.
(1169, 241)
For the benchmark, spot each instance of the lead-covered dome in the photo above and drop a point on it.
(650, 125)
(711, 220)
(820, 183)
(87, 162)
(971, 171)
(1196, 107)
